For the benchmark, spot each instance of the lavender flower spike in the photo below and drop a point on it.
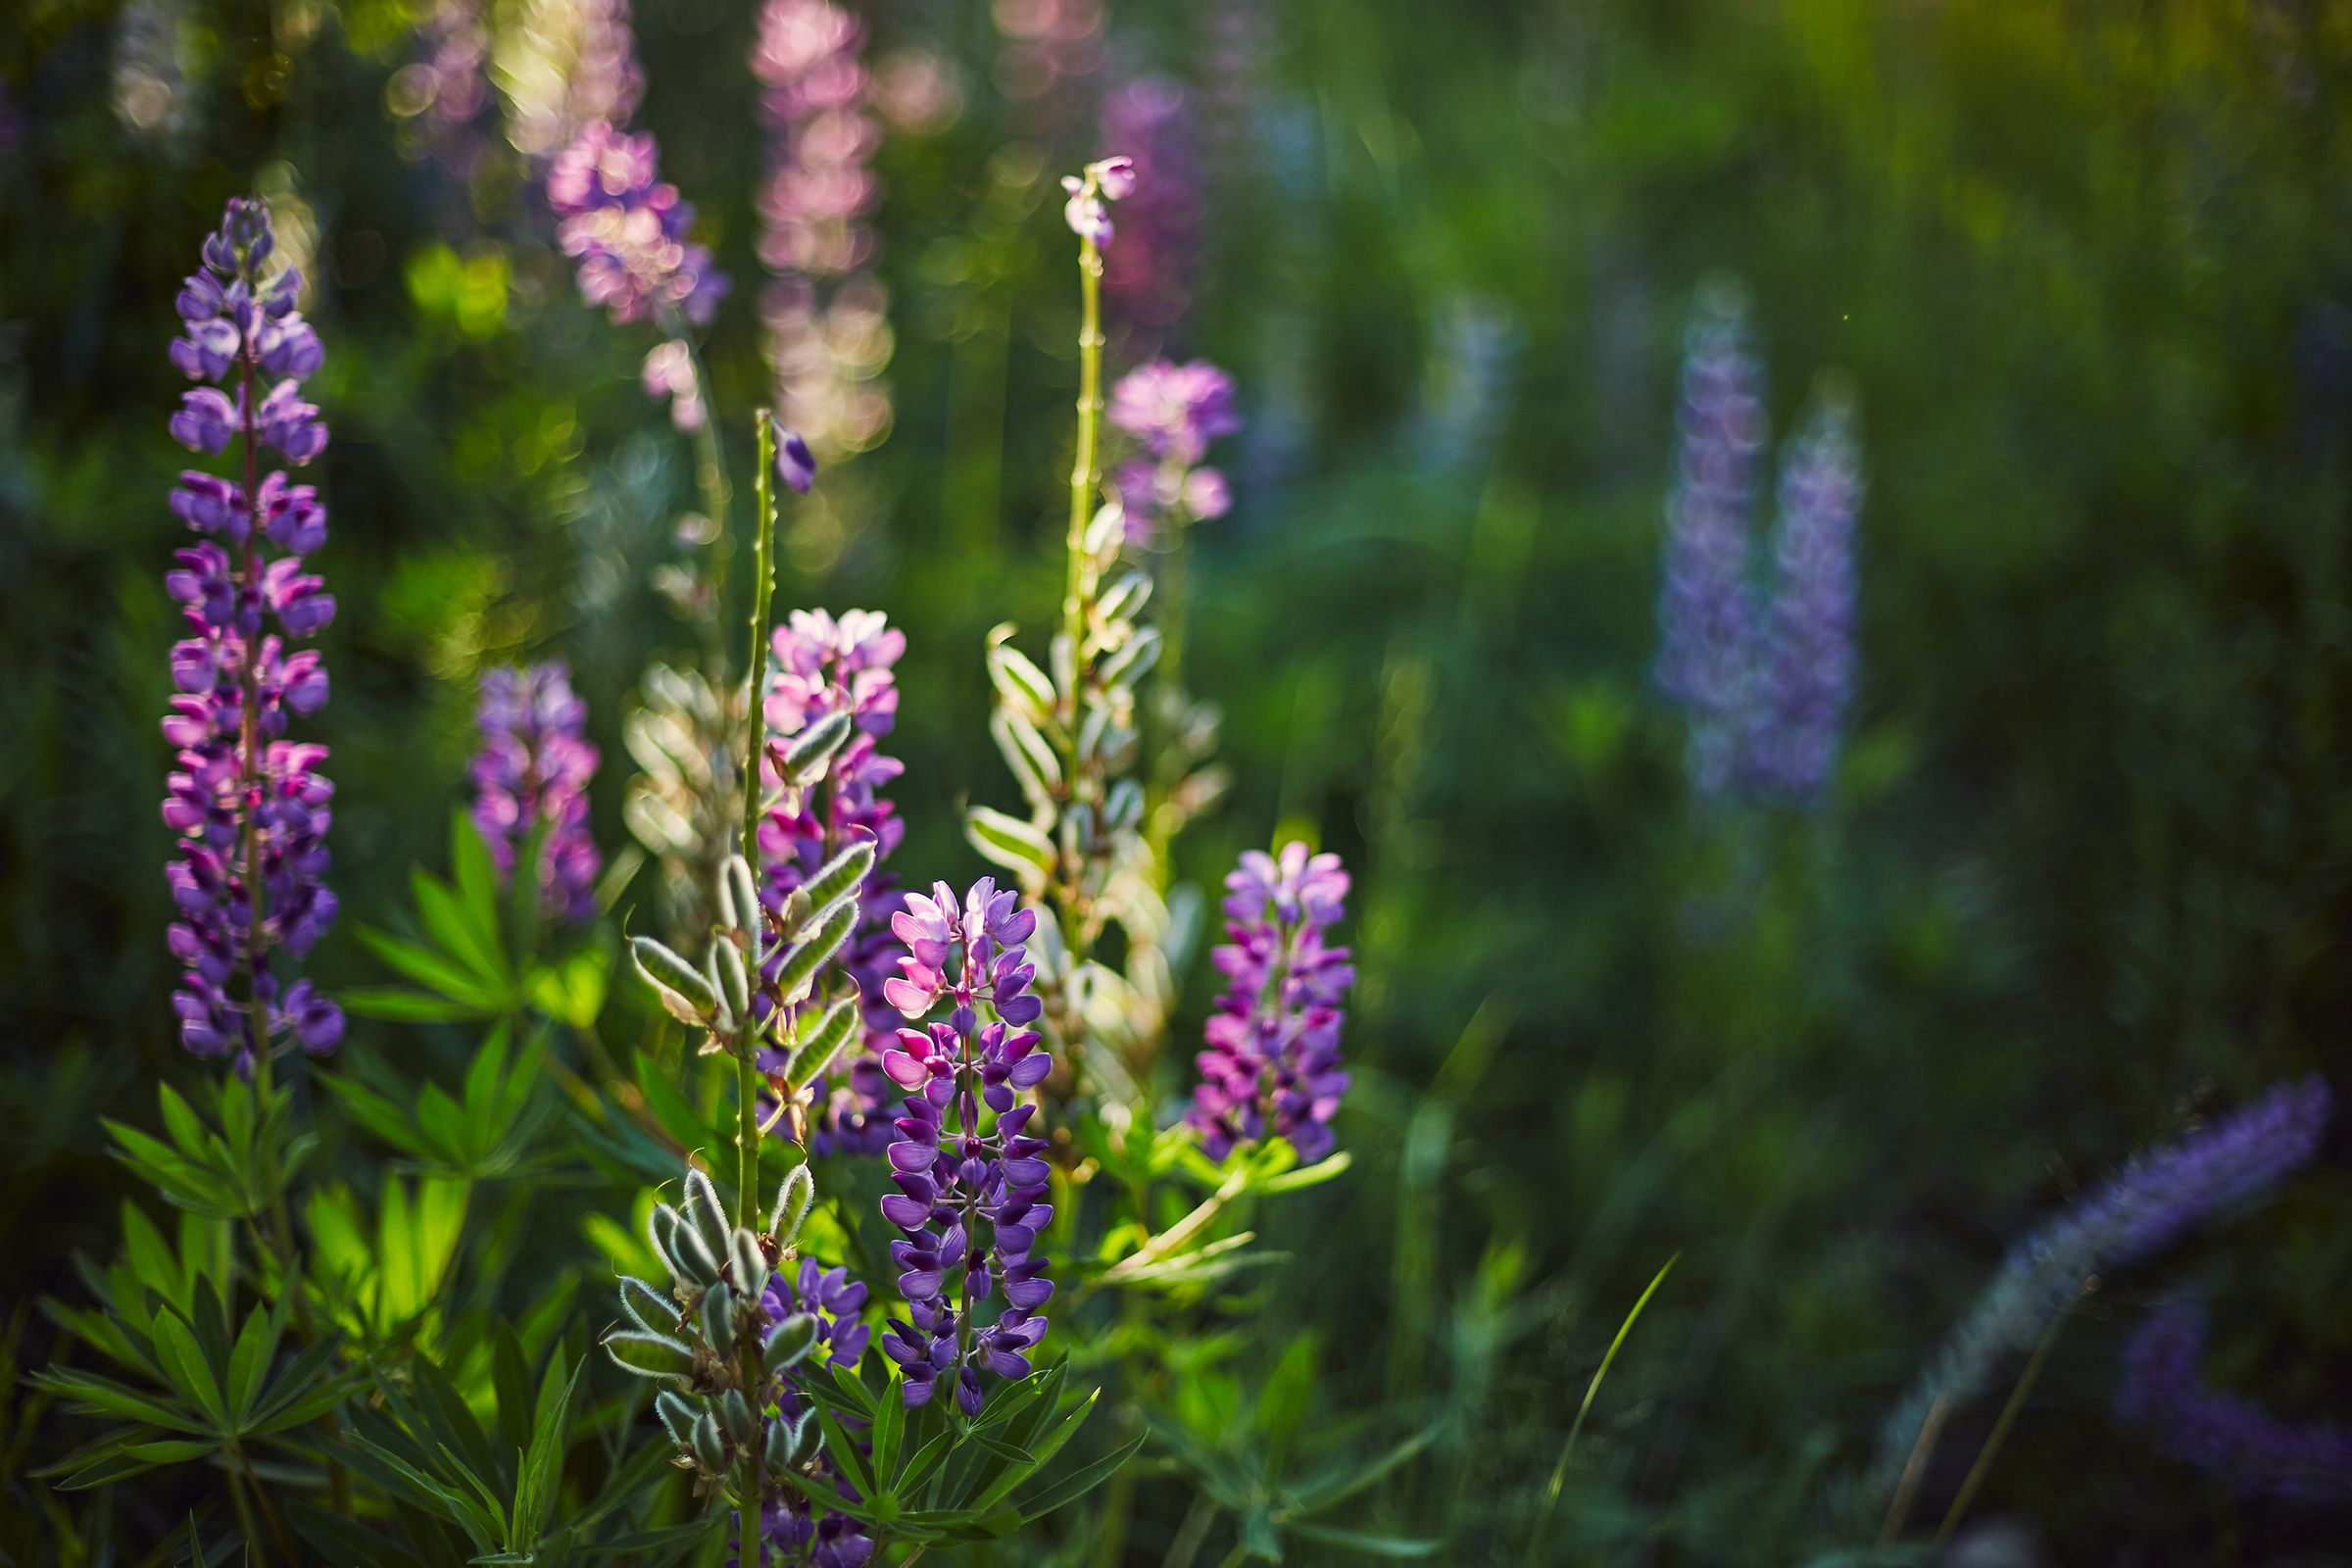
(250, 806)
(2256, 1453)
(1807, 674)
(532, 773)
(958, 1166)
(1706, 606)
(1272, 1066)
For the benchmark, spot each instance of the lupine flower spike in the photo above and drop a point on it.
(1806, 678)
(1707, 608)
(1272, 1066)
(248, 804)
(531, 777)
(967, 1162)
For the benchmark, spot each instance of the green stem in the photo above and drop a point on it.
(1078, 595)
(763, 504)
(1236, 1556)
(2000, 1431)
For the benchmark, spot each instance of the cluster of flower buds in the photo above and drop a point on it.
(726, 1334)
(965, 1157)
(1071, 740)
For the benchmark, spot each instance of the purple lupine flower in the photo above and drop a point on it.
(1174, 411)
(1272, 1066)
(2147, 1205)
(1706, 606)
(628, 230)
(1806, 678)
(825, 666)
(826, 314)
(2254, 1454)
(1149, 273)
(250, 807)
(531, 777)
(981, 1168)
(838, 1304)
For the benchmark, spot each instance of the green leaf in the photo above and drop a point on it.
(1320, 1494)
(888, 1432)
(1363, 1541)
(249, 1363)
(434, 969)
(1034, 765)
(1019, 683)
(1079, 1482)
(100, 1395)
(186, 1369)
(542, 1468)
(468, 935)
(845, 1452)
(400, 1004)
(1313, 1175)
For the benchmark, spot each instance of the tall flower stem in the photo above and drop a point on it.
(750, 1547)
(1079, 592)
(764, 508)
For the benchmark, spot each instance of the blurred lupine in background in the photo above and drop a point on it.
(826, 315)
(2252, 1451)
(444, 93)
(530, 781)
(1763, 677)
(1148, 275)
(1707, 603)
(248, 803)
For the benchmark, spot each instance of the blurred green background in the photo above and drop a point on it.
(2087, 869)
